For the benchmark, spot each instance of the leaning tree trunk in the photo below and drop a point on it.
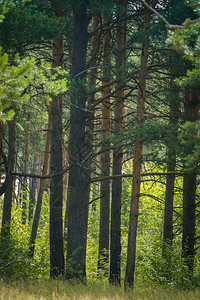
(189, 192)
(7, 206)
(79, 175)
(140, 113)
(25, 183)
(40, 194)
(115, 243)
(103, 256)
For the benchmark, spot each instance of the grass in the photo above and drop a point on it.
(92, 291)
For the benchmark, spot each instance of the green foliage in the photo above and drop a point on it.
(187, 42)
(188, 143)
(195, 5)
(14, 261)
(25, 24)
(152, 269)
(15, 79)
(13, 82)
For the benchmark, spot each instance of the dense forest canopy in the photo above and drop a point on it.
(99, 140)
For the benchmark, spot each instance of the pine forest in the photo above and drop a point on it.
(100, 144)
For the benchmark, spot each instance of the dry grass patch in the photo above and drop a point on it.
(95, 290)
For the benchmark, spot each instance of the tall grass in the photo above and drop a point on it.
(94, 290)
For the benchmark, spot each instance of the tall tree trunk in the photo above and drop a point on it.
(115, 246)
(140, 113)
(170, 178)
(1, 146)
(169, 198)
(33, 187)
(79, 175)
(7, 206)
(103, 257)
(40, 194)
(95, 44)
(65, 188)
(25, 183)
(189, 192)
(56, 165)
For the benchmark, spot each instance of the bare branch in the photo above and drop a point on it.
(95, 179)
(168, 25)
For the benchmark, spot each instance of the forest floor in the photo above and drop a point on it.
(92, 291)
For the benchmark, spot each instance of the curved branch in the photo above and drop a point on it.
(168, 25)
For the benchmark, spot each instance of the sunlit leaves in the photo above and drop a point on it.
(19, 81)
(187, 42)
(13, 82)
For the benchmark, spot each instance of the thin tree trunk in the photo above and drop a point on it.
(65, 188)
(189, 192)
(7, 206)
(115, 246)
(56, 165)
(40, 194)
(103, 257)
(33, 187)
(65, 177)
(25, 184)
(79, 175)
(137, 160)
(1, 146)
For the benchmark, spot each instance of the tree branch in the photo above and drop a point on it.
(168, 25)
(95, 179)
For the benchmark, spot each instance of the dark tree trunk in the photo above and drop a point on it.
(115, 243)
(170, 178)
(1, 146)
(79, 176)
(168, 211)
(40, 195)
(25, 183)
(65, 188)
(103, 258)
(33, 187)
(7, 207)
(189, 206)
(189, 192)
(56, 166)
(137, 160)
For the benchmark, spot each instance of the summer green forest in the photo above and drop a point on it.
(99, 145)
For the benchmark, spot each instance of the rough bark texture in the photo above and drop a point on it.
(189, 192)
(134, 207)
(115, 246)
(7, 206)
(79, 176)
(168, 211)
(91, 124)
(33, 187)
(56, 165)
(65, 188)
(40, 194)
(25, 185)
(105, 160)
(170, 178)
